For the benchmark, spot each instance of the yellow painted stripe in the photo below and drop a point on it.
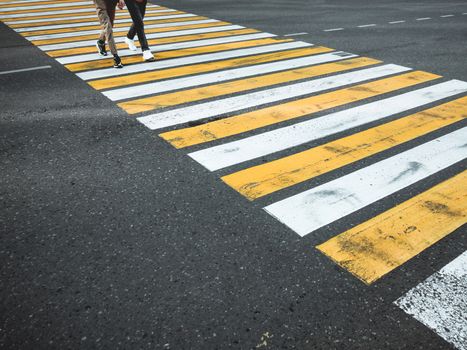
(160, 41)
(287, 111)
(120, 34)
(116, 25)
(33, 3)
(380, 245)
(204, 67)
(57, 9)
(97, 26)
(267, 178)
(60, 15)
(104, 63)
(170, 99)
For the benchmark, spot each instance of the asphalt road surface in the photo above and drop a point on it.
(112, 238)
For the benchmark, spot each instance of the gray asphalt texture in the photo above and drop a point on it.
(113, 239)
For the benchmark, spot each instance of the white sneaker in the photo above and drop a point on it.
(148, 56)
(131, 44)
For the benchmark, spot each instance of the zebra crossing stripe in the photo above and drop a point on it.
(230, 74)
(440, 302)
(376, 247)
(256, 99)
(79, 53)
(100, 69)
(267, 178)
(7, 8)
(109, 78)
(252, 147)
(312, 209)
(241, 123)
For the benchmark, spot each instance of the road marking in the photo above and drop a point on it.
(216, 77)
(24, 70)
(366, 25)
(396, 22)
(445, 16)
(33, 14)
(243, 85)
(270, 177)
(333, 29)
(423, 19)
(256, 99)
(310, 210)
(7, 8)
(296, 34)
(192, 60)
(440, 302)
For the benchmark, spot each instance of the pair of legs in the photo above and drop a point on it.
(137, 10)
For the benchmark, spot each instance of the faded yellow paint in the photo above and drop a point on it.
(371, 250)
(204, 67)
(158, 41)
(27, 11)
(267, 178)
(32, 3)
(116, 25)
(121, 34)
(291, 110)
(162, 55)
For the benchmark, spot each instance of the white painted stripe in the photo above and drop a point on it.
(93, 23)
(256, 99)
(117, 30)
(56, 19)
(174, 62)
(148, 36)
(445, 16)
(395, 22)
(366, 25)
(24, 70)
(440, 302)
(165, 47)
(332, 29)
(57, 12)
(217, 77)
(256, 146)
(296, 34)
(423, 19)
(21, 2)
(308, 211)
(34, 7)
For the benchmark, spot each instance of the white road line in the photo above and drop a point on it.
(309, 210)
(166, 47)
(445, 16)
(85, 43)
(24, 70)
(56, 12)
(256, 99)
(174, 62)
(118, 30)
(423, 19)
(70, 26)
(367, 25)
(332, 29)
(217, 77)
(296, 34)
(34, 7)
(256, 146)
(440, 302)
(21, 2)
(396, 22)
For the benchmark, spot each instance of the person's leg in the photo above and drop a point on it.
(137, 18)
(132, 31)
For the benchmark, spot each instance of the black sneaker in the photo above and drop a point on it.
(101, 48)
(117, 62)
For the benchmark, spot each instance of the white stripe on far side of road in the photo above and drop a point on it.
(440, 302)
(24, 70)
(310, 210)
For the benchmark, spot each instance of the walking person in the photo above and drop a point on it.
(106, 13)
(137, 9)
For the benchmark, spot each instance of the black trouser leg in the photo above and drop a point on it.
(137, 11)
(132, 32)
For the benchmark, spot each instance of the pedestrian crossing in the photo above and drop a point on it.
(268, 114)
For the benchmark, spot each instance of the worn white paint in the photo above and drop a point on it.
(56, 12)
(217, 77)
(24, 70)
(440, 302)
(166, 47)
(310, 210)
(256, 99)
(195, 59)
(252, 147)
(34, 7)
